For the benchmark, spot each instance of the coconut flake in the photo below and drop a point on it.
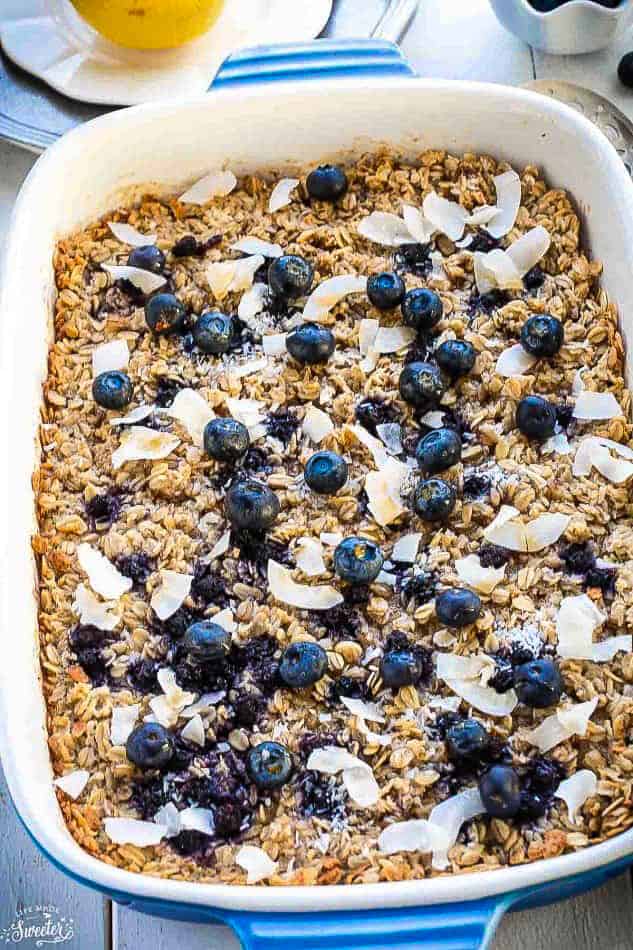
(375, 446)
(103, 576)
(225, 277)
(122, 723)
(73, 783)
(449, 703)
(309, 557)
(358, 707)
(577, 619)
(168, 707)
(331, 759)
(545, 530)
(169, 817)
(199, 819)
(274, 344)
(496, 269)
(143, 834)
(557, 444)
(193, 412)
(508, 188)
(135, 415)
(578, 384)
(330, 292)
(412, 835)
(204, 704)
(280, 195)
(383, 227)
(509, 533)
(247, 411)
(144, 444)
(464, 676)
(317, 424)
(515, 361)
(446, 216)
(367, 330)
(593, 451)
(393, 339)
(574, 720)
(129, 235)
(605, 650)
(110, 356)
(93, 612)
(252, 303)
(417, 225)
(591, 406)
(484, 579)
(171, 594)
(527, 251)
(447, 819)
(255, 245)
(220, 547)
(217, 184)
(405, 550)
(288, 591)
(255, 862)
(194, 731)
(390, 433)
(144, 280)
(479, 216)
(331, 538)
(361, 785)
(383, 489)
(575, 791)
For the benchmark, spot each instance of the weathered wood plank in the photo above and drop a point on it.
(131, 931)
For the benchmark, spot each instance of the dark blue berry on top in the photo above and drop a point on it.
(434, 499)
(269, 765)
(455, 357)
(439, 450)
(164, 313)
(302, 664)
(500, 791)
(325, 472)
(386, 290)
(327, 183)
(358, 560)
(536, 417)
(150, 746)
(213, 332)
(422, 309)
(538, 683)
(457, 607)
(251, 505)
(401, 667)
(207, 642)
(290, 276)
(148, 257)
(113, 390)
(578, 558)
(467, 739)
(226, 440)
(310, 343)
(422, 385)
(542, 335)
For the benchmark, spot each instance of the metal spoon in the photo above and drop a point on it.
(395, 20)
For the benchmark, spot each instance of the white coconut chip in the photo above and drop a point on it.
(247, 411)
(204, 704)
(331, 538)
(248, 368)
(143, 834)
(577, 619)
(330, 292)
(495, 269)
(574, 720)
(405, 550)
(445, 216)
(199, 819)
(110, 356)
(93, 612)
(171, 594)
(578, 384)
(420, 229)
(369, 711)
(103, 576)
(605, 650)
(447, 819)
(367, 331)
(575, 791)
(220, 547)
(434, 419)
(194, 731)
(508, 188)
(129, 235)
(142, 444)
(591, 406)
(193, 412)
(357, 775)
(508, 532)
(484, 579)
(480, 216)
(464, 675)
(255, 862)
(393, 339)
(375, 446)
(527, 251)
(122, 723)
(331, 759)
(309, 556)
(144, 280)
(558, 444)
(217, 184)
(594, 452)
(450, 703)
(169, 817)
(383, 489)
(230, 277)
(252, 303)
(135, 415)
(274, 344)
(465, 242)
(283, 587)
(168, 707)
(255, 245)
(390, 433)
(73, 783)
(280, 195)
(385, 228)
(316, 424)
(515, 361)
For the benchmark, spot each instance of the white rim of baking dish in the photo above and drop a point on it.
(56, 841)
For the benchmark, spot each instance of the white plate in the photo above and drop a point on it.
(35, 43)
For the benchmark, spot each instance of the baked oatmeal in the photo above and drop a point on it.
(334, 528)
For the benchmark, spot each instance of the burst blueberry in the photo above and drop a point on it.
(434, 499)
(358, 560)
(422, 309)
(500, 791)
(538, 683)
(401, 668)
(310, 343)
(536, 417)
(150, 746)
(164, 314)
(439, 450)
(327, 183)
(269, 765)
(148, 257)
(113, 390)
(325, 472)
(422, 385)
(251, 505)
(542, 335)
(207, 642)
(457, 607)
(456, 357)
(302, 664)
(386, 290)
(290, 276)
(214, 332)
(467, 739)
(226, 440)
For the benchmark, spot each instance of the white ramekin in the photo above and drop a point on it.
(578, 26)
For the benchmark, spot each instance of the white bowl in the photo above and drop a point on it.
(578, 26)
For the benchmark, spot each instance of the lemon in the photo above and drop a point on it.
(149, 24)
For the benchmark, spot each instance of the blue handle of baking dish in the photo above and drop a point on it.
(320, 59)
(467, 926)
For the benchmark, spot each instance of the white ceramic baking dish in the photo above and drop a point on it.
(283, 121)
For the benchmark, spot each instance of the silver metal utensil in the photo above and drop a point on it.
(395, 21)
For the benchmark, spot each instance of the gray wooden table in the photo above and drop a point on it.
(449, 38)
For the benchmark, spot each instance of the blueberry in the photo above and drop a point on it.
(325, 472)
(434, 499)
(251, 505)
(542, 335)
(302, 664)
(625, 70)
(500, 791)
(269, 765)
(150, 746)
(358, 560)
(538, 683)
(536, 417)
(164, 313)
(207, 642)
(422, 309)
(456, 357)
(290, 276)
(310, 343)
(327, 183)
(439, 450)
(534, 804)
(386, 290)
(213, 332)
(112, 390)
(457, 607)
(421, 385)
(401, 668)
(467, 739)
(148, 257)
(226, 440)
